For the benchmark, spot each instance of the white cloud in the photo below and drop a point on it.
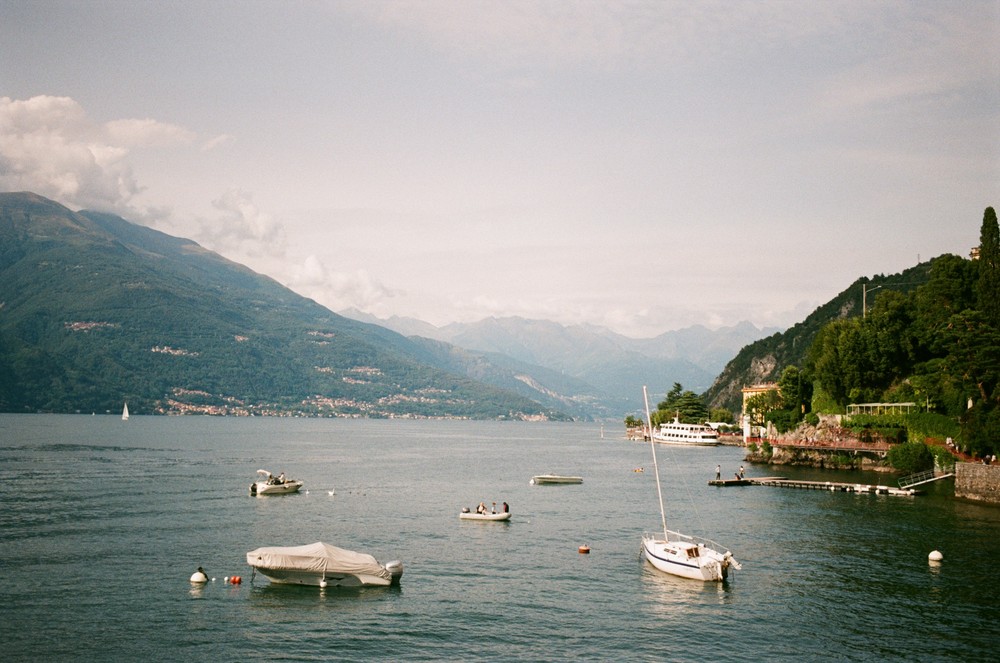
(48, 145)
(242, 228)
(339, 290)
(216, 142)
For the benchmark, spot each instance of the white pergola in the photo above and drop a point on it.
(880, 408)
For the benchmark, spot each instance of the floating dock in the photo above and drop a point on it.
(730, 482)
(833, 486)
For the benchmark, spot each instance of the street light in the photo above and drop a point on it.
(864, 299)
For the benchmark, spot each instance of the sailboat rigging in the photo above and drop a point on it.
(680, 554)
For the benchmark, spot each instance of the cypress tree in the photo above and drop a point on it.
(988, 285)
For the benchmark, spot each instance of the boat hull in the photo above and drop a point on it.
(686, 443)
(687, 560)
(294, 577)
(553, 479)
(262, 488)
(487, 517)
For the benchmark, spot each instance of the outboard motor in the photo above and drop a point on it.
(395, 569)
(253, 489)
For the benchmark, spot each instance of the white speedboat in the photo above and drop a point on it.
(553, 479)
(679, 554)
(470, 515)
(322, 565)
(698, 435)
(268, 484)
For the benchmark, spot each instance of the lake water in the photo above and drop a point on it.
(102, 523)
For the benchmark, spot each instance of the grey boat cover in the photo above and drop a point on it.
(317, 558)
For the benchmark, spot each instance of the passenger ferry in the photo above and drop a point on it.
(698, 435)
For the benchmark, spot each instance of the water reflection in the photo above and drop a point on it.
(674, 596)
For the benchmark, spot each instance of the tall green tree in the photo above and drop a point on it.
(686, 405)
(988, 285)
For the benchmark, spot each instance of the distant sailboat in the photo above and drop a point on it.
(125, 413)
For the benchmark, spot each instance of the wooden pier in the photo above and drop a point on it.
(833, 486)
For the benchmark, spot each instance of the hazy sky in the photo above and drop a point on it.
(639, 165)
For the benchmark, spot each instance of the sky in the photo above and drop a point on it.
(642, 166)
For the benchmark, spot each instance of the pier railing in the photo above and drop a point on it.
(923, 477)
(834, 445)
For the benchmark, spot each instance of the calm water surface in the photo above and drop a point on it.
(103, 521)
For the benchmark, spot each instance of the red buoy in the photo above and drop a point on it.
(584, 550)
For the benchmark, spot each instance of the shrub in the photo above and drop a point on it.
(911, 457)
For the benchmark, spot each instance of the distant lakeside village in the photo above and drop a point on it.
(829, 443)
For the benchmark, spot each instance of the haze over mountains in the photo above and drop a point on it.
(613, 364)
(95, 310)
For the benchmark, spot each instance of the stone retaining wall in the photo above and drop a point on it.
(975, 481)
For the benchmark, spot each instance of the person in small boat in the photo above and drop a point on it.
(481, 508)
(506, 508)
(281, 478)
(494, 507)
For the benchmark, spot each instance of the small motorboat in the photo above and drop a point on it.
(321, 565)
(466, 514)
(269, 484)
(540, 479)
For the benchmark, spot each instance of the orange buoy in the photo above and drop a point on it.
(236, 580)
(584, 550)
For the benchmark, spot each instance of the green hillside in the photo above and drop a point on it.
(764, 360)
(95, 311)
(931, 340)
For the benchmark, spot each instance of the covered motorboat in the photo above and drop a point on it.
(268, 484)
(322, 565)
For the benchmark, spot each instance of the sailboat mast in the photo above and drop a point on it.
(656, 469)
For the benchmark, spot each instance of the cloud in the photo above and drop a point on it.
(241, 228)
(217, 141)
(48, 145)
(339, 290)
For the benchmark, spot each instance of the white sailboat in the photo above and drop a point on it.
(680, 554)
(125, 412)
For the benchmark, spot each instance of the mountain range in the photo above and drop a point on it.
(607, 366)
(95, 310)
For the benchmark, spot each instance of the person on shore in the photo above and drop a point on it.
(718, 472)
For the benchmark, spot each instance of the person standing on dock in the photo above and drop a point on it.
(741, 471)
(718, 472)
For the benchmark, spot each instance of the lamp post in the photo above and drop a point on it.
(864, 299)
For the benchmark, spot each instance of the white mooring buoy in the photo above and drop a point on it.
(935, 556)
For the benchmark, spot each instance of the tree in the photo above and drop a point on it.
(911, 457)
(759, 406)
(796, 391)
(686, 405)
(988, 285)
